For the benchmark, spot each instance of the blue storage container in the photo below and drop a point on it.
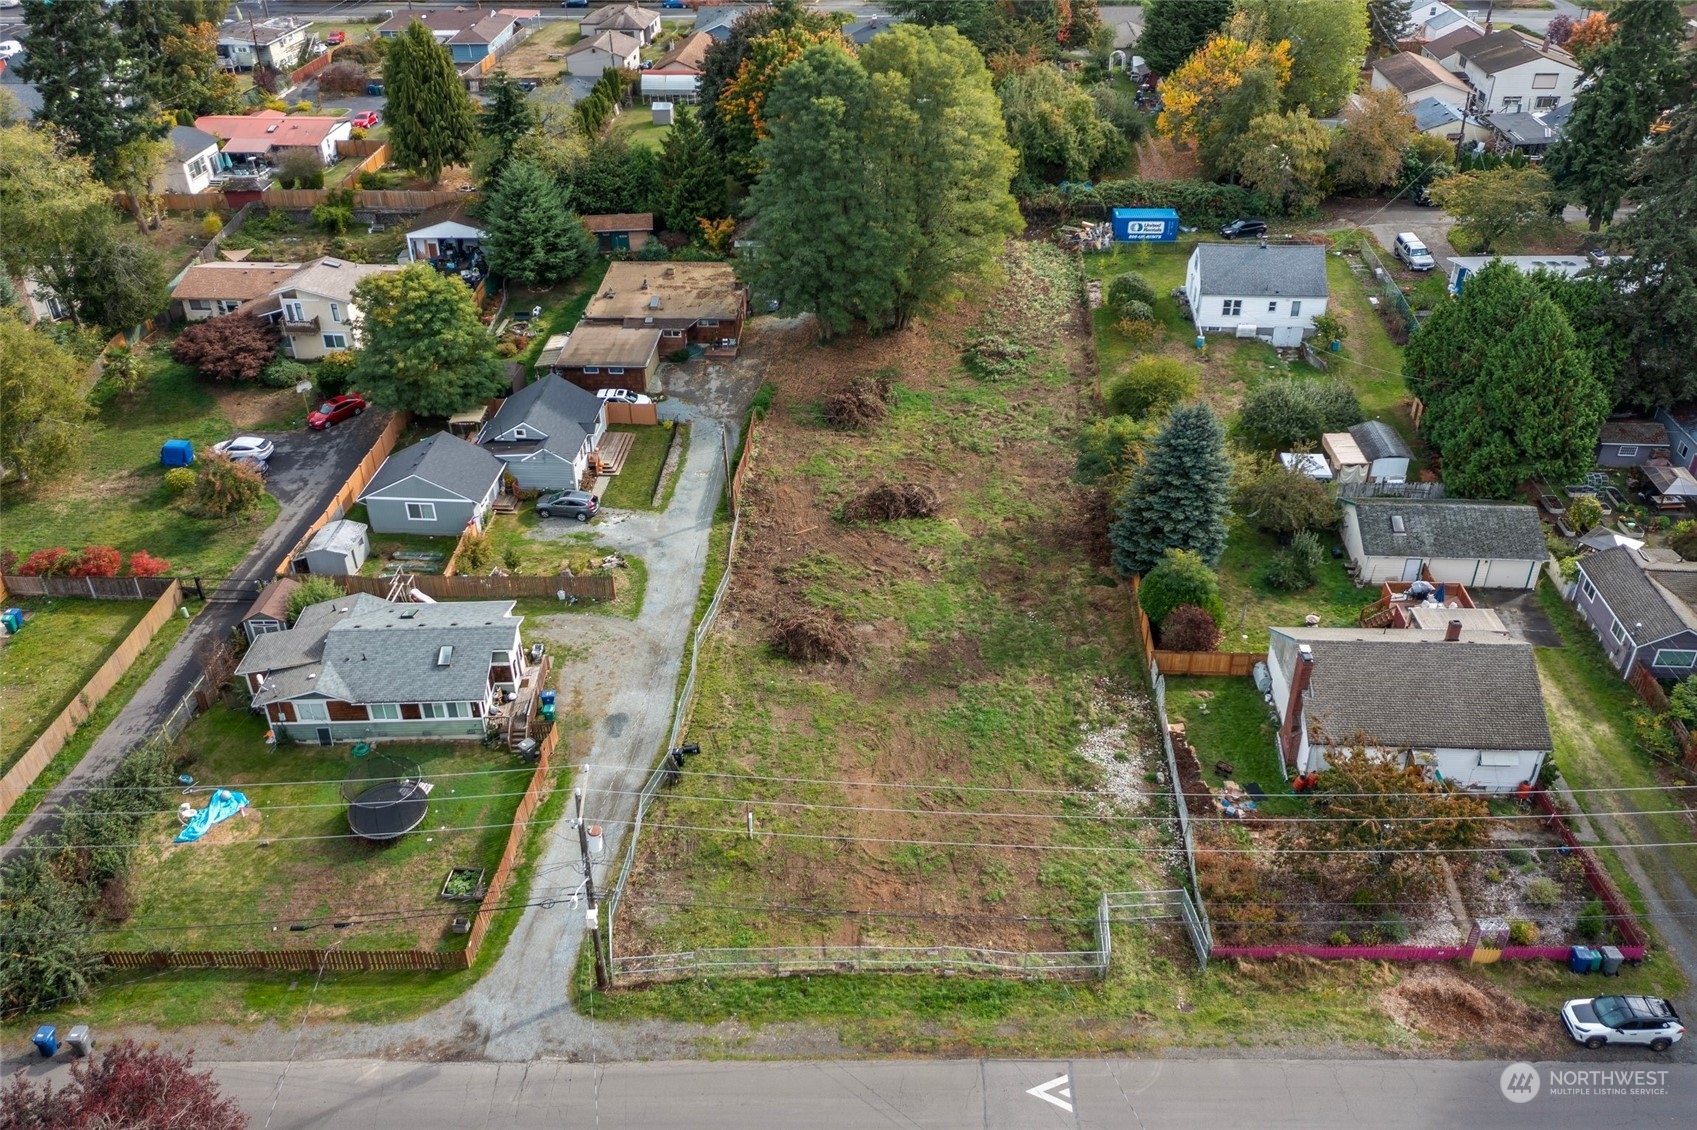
(1584, 959)
(46, 1041)
(13, 618)
(1144, 225)
(176, 453)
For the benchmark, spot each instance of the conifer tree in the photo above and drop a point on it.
(507, 119)
(432, 122)
(89, 84)
(692, 181)
(1179, 498)
(530, 234)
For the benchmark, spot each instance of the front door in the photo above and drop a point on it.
(1411, 569)
(323, 735)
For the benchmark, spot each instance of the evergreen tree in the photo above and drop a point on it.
(692, 181)
(89, 84)
(1173, 30)
(530, 235)
(432, 122)
(507, 119)
(1388, 24)
(1031, 28)
(1631, 83)
(1179, 498)
(424, 349)
(1653, 300)
(1509, 389)
(615, 176)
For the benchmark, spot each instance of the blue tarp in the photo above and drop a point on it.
(222, 805)
(176, 453)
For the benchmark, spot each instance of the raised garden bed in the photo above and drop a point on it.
(463, 884)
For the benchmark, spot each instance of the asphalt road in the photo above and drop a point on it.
(950, 1094)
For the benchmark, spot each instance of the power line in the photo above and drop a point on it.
(199, 787)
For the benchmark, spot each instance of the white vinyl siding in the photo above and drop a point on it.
(421, 511)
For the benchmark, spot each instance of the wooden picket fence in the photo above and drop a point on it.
(351, 490)
(23, 774)
(1235, 664)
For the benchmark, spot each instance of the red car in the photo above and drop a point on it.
(336, 38)
(365, 119)
(335, 410)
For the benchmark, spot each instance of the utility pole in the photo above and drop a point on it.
(591, 921)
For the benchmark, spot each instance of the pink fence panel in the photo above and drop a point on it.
(1350, 953)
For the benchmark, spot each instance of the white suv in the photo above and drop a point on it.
(1412, 252)
(1623, 1020)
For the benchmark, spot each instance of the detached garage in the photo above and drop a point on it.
(1487, 545)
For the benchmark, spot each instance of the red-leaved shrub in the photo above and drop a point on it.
(53, 562)
(97, 561)
(144, 564)
(1189, 628)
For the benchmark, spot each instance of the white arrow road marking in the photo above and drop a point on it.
(1059, 1086)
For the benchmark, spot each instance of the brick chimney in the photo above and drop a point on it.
(1289, 740)
(1453, 632)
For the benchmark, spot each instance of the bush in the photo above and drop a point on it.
(1298, 567)
(303, 107)
(1181, 577)
(1130, 287)
(97, 561)
(1584, 512)
(1522, 932)
(1520, 857)
(1338, 938)
(312, 590)
(333, 218)
(678, 356)
(763, 398)
(179, 479)
(211, 224)
(1189, 628)
(1593, 920)
(285, 372)
(505, 349)
(475, 552)
(224, 489)
(1150, 386)
(1543, 891)
(1108, 448)
(1288, 413)
(343, 77)
(1282, 501)
(300, 168)
(1330, 328)
(143, 563)
(55, 562)
(1393, 927)
(334, 374)
(653, 252)
(994, 356)
(235, 347)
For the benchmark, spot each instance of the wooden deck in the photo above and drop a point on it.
(614, 450)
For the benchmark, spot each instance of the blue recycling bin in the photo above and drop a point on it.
(13, 618)
(46, 1041)
(1584, 959)
(547, 698)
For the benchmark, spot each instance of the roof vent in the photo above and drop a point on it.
(644, 284)
(408, 613)
(444, 655)
(654, 302)
(1398, 526)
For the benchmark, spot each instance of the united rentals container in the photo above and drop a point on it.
(1144, 225)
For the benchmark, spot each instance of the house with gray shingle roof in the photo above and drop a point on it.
(1641, 610)
(360, 667)
(547, 430)
(1496, 545)
(1462, 704)
(438, 487)
(1256, 290)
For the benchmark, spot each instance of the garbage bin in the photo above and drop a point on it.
(46, 1041)
(13, 618)
(1612, 958)
(1580, 960)
(80, 1041)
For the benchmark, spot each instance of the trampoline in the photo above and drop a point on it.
(387, 798)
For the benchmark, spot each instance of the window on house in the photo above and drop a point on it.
(1543, 82)
(1684, 451)
(336, 312)
(1295, 307)
(197, 167)
(1545, 102)
(1511, 105)
(501, 658)
(446, 709)
(311, 712)
(228, 305)
(1618, 631)
(1272, 307)
(421, 511)
(708, 322)
(1586, 587)
(200, 304)
(1232, 307)
(335, 341)
(385, 712)
(1627, 449)
(615, 372)
(671, 333)
(591, 370)
(292, 312)
(1680, 659)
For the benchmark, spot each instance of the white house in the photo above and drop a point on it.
(1494, 545)
(278, 43)
(1432, 20)
(315, 308)
(632, 19)
(1257, 291)
(1511, 74)
(1464, 705)
(607, 50)
(1418, 78)
(194, 160)
(444, 232)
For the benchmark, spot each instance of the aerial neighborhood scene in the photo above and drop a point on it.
(945, 563)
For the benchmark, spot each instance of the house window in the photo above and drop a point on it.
(446, 709)
(1511, 105)
(197, 167)
(292, 312)
(1625, 450)
(1586, 587)
(591, 370)
(615, 372)
(1272, 307)
(1618, 631)
(1543, 82)
(1232, 307)
(1295, 307)
(671, 333)
(200, 304)
(336, 312)
(708, 322)
(1682, 659)
(1545, 102)
(501, 658)
(385, 711)
(228, 305)
(311, 712)
(421, 511)
(335, 341)
(1684, 451)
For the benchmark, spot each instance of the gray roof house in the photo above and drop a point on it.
(1496, 545)
(1641, 610)
(545, 433)
(437, 486)
(1464, 705)
(1253, 290)
(337, 547)
(360, 667)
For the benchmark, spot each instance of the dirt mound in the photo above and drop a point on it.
(1438, 1002)
(815, 637)
(890, 501)
(860, 404)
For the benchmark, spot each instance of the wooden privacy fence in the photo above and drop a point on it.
(375, 160)
(1651, 692)
(617, 413)
(742, 464)
(301, 74)
(363, 147)
(23, 774)
(92, 588)
(350, 492)
(381, 200)
(463, 587)
(1236, 664)
(189, 201)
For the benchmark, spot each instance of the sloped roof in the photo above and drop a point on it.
(619, 17)
(1431, 113)
(273, 602)
(1504, 50)
(453, 212)
(1525, 129)
(277, 129)
(1645, 433)
(620, 221)
(1447, 45)
(457, 25)
(232, 281)
(552, 406)
(1378, 440)
(613, 42)
(1249, 270)
(187, 141)
(609, 345)
(340, 536)
(1408, 72)
(1647, 610)
(688, 56)
(461, 469)
(333, 278)
(1449, 528)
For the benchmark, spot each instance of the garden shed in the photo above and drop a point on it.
(338, 548)
(1386, 452)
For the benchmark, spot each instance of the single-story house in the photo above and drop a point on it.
(604, 51)
(438, 486)
(315, 308)
(269, 134)
(1640, 610)
(338, 548)
(270, 612)
(1416, 77)
(700, 303)
(1446, 48)
(1466, 706)
(718, 22)
(621, 231)
(1256, 290)
(597, 357)
(545, 433)
(446, 231)
(277, 43)
(207, 290)
(676, 75)
(632, 19)
(361, 667)
(1432, 20)
(1484, 545)
(1438, 118)
(1681, 423)
(1462, 267)
(194, 163)
(1384, 449)
(1631, 443)
(469, 34)
(1531, 134)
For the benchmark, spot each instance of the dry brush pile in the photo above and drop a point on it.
(890, 502)
(860, 404)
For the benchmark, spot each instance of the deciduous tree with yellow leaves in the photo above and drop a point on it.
(1219, 90)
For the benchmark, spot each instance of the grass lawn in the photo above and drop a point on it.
(116, 699)
(1252, 607)
(1369, 360)
(42, 668)
(633, 487)
(291, 858)
(561, 307)
(118, 497)
(383, 545)
(637, 127)
(274, 235)
(1226, 720)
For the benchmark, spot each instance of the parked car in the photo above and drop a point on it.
(366, 119)
(336, 38)
(246, 447)
(261, 467)
(10, 48)
(673, 4)
(1238, 229)
(1412, 252)
(622, 396)
(574, 3)
(579, 504)
(1623, 1020)
(335, 410)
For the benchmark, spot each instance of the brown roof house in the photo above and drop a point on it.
(1416, 78)
(596, 357)
(689, 303)
(621, 231)
(210, 289)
